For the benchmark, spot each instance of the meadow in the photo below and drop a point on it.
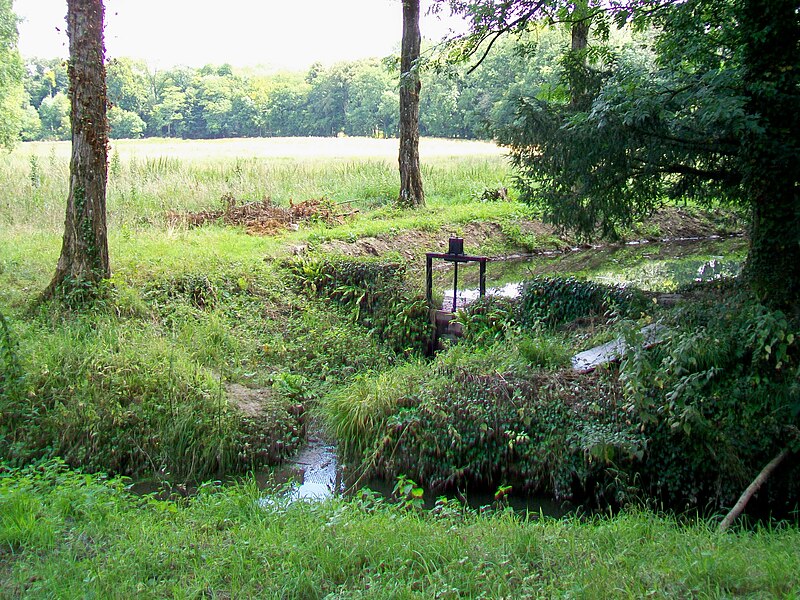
(211, 352)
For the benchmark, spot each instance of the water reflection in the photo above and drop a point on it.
(658, 267)
(314, 474)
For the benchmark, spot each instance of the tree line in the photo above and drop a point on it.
(356, 98)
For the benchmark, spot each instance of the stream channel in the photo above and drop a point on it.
(315, 473)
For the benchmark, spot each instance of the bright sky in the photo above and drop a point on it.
(274, 33)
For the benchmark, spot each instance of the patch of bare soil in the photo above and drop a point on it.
(270, 429)
(264, 217)
(413, 244)
(250, 402)
(668, 223)
(677, 222)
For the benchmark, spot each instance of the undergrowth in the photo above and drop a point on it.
(685, 422)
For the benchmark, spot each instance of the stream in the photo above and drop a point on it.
(315, 473)
(651, 266)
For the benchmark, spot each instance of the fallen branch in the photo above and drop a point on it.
(751, 490)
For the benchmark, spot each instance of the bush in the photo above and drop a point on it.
(557, 300)
(552, 433)
(717, 401)
(356, 414)
(374, 293)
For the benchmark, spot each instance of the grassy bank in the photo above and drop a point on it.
(201, 358)
(67, 535)
(209, 349)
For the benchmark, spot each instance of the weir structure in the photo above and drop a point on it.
(445, 327)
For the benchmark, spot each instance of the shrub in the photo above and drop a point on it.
(553, 433)
(717, 401)
(557, 300)
(374, 293)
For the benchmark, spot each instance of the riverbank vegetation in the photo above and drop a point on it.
(211, 352)
(70, 535)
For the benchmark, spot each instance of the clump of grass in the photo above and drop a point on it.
(545, 350)
(106, 395)
(356, 414)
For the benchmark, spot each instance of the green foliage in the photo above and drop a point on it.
(545, 350)
(356, 414)
(114, 396)
(408, 494)
(706, 110)
(488, 319)
(717, 400)
(66, 534)
(103, 400)
(327, 348)
(10, 371)
(11, 72)
(355, 98)
(552, 433)
(375, 295)
(124, 124)
(557, 300)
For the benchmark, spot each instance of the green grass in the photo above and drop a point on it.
(149, 178)
(133, 384)
(67, 535)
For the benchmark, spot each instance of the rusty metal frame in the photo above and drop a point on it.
(455, 259)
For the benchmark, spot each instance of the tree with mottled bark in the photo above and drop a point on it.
(84, 257)
(411, 192)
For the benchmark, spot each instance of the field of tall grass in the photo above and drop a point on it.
(148, 178)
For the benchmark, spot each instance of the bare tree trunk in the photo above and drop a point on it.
(411, 192)
(84, 252)
(578, 73)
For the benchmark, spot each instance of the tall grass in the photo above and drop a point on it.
(356, 414)
(67, 535)
(149, 178)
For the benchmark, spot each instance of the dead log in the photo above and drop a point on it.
(752, 489)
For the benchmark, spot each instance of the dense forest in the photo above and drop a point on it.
(351, 98)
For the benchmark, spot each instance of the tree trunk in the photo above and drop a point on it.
(770, 43)
(772, 268)
(84, 251)
(579, 71)
(411, 192)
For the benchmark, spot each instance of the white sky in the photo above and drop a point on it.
(273, 33)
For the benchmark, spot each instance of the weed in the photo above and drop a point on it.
(557, 300)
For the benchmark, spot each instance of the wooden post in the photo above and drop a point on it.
(482, 284)
(455, 285)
